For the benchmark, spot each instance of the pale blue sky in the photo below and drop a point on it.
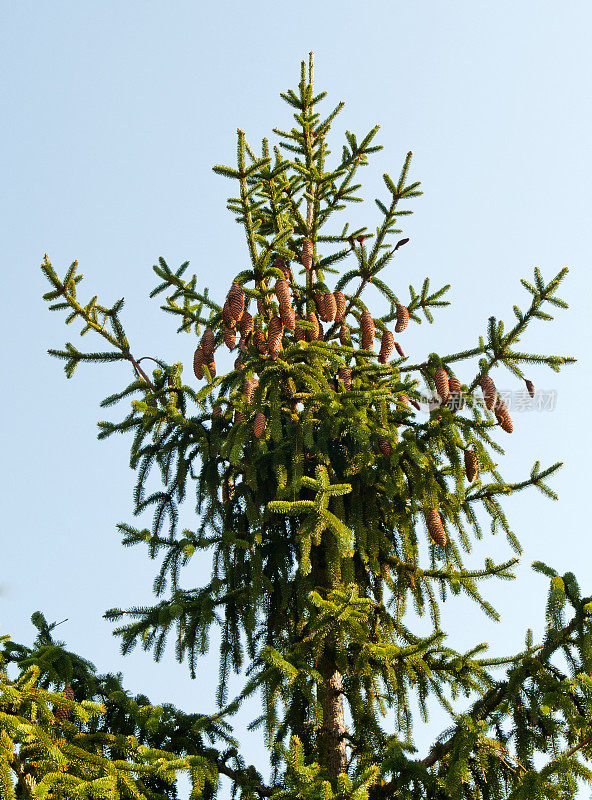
(112, 116)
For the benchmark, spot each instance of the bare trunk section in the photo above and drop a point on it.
(332, 736)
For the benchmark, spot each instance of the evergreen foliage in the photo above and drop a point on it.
(330, 507)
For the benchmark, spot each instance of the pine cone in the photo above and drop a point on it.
(329, 307)
(345, 376)
(211, 365)
(259, 425)
(340, 305)
(414, 403)
(344, 335)
(454, 385)
(260, 341)
(249, 387)
(435, 528)
(238, 362)
(367, 328)
(238, 417)
(230, 338)
(275, 331)
(246, 326)
(503, 416)
(471, 465)
(321, 334)
(387, 344)
(299, 333)
(198, 361)
(62, 714)
(208, 343)
(260, 306)
(282, 292)
(385, 446)
(489, 391)
(399, 350)
(441, 379)
(307, 251)
(530, 387)
(288, 316)
(312, 335)
(227, 318)
(402, 318)
(281, 263)
(236, 301)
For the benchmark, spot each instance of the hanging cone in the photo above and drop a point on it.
(238, 362)
(367, 328)
(345, 376)
(454, 385)
(503, 416)
(62, 714)
(414, 403)
(489, 391)
(385, 446)
(319, 301)
(399, 350)
(259, 425)
(238, 417)
(211, 365)
(246, 326)
(340, 305)
(344, 335)
(260, 341)
(329, 307)
(529, 387)
(198, 361)
(288, 317)
(236, 301)
(321, 333)
(208, 343)
(402, 318)
(387, 344)
(471, 465)
(282, 292)
(230, 338)
(435, 528)
(312, 335)
(307, 251)
(299, 333)
(275, 332)
(260, 306)
(227, 318)
(249, 387)
(281, 263)
(441, 379)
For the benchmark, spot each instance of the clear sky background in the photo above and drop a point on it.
(113, 114)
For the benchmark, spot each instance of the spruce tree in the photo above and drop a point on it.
(338, 488)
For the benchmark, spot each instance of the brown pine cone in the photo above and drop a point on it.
(208, 343)
(471, 465)
(198, 361)
(319, 301)
(260, 341)
(435, 528)
(344, 335)
(529, 387)
(307, 252)
(345, 376)
(260, 306)
(414, 403)
(282, 292)
(321, 333)
(385, 446)
(246, 326)
(299, 333)
(441, 379)
(227, 318)
(399, 350)
(211, 365)
(236, 301)
(238, 362)
(489, 391)
(367, 328)
(503, 416)
(454, 385)
(249, 387)
(340, 305)
(281, 263)
(259, 425)
(62, 714)
(288, 316)
(329, 307)
(275, 331)
(230, 338)
(312, 335)
(238, 417)
(387, 344)
(402, 318)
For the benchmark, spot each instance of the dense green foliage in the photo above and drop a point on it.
(329, 503)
